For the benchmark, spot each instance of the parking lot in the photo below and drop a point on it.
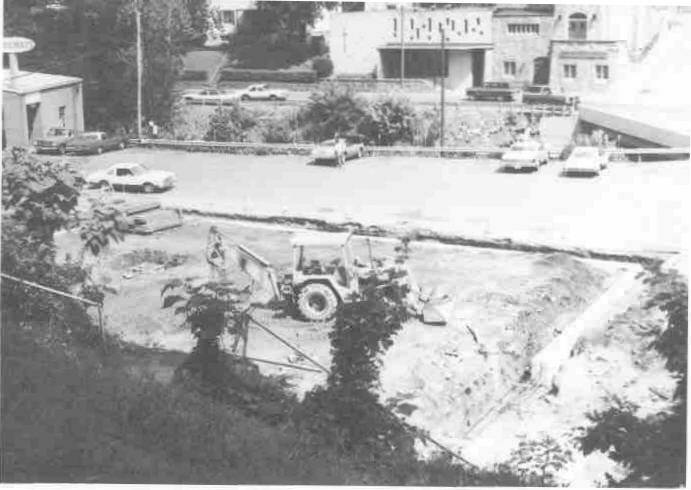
(630, 207)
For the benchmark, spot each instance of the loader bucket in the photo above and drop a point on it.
(432, 316)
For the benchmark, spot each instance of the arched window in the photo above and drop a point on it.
(578, 26)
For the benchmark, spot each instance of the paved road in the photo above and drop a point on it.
(630, 207)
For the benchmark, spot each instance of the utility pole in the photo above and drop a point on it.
(442, 77)
(139, 69)
(402, 47)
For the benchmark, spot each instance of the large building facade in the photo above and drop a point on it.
(373, 43)
(572, 48)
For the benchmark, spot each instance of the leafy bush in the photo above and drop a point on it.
(258, 75)
(276, 131)
(194, 76)
(229, 123)
(653, 449)
(330, 111)
(323, 66)
(389, 121)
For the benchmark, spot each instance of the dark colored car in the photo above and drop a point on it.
(494, 91)
(542, 94)
(55, 141)
(96, 142)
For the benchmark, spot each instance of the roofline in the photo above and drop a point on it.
(66, 81)
(517, 13)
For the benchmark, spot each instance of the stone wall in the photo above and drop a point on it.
(520, 47)
(586, 56)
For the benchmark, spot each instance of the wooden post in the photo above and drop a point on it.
(139, 69)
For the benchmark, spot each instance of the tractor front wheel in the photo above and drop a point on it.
(317, 302)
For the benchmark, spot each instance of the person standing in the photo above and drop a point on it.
(216, 255)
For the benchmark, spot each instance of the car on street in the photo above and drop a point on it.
(542, 94)
(585, 160)
(494, 91)
(96, 142)
(132, 177)
(210, 96)
(526, 154)
(262, 91)
(338, 150)
(54, 141)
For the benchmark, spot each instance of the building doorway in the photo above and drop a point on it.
(541, 71)
(478, 67)
(31, 113)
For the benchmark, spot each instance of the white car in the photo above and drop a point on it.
(337, 150)
(210, 96)
(526, 154)
(261, 91)
(132, 176)
(585, 159)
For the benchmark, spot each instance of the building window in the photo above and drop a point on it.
(602, 72)
(569, 71)
(578, 26)
(465, 25)
(478, 21)
(509, 68)
(524, 28)
(62, 121)
(395, 27)
(228, 16)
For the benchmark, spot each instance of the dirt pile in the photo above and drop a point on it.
(449, 377)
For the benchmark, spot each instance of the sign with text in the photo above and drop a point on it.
(15, 45)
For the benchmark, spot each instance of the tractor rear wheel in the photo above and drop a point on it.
(317, 302)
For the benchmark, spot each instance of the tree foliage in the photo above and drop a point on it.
(274, 35)
(229, 123)
(653, 449)
(389, 121)
(40, 198)
(333, 110)
(96, 40)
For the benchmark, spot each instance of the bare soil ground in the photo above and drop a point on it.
(507, 306)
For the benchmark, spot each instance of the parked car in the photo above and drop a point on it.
(95, 142)
(132, 176)
(262, 91)
(54, 141)
(585, 159)
(209, 96)
(542, 94)
(527, 153)
(494, 91)
(338, 150)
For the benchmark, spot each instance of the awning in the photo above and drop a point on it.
(437, 46)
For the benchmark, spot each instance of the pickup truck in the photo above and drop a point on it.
(542, 94)
(494, 91)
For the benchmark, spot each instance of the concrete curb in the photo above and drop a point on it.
(418, 234)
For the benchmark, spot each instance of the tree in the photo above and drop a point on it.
(653, 449)
(95, 40)
(274, 35)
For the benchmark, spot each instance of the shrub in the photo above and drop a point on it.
(332, 110)
(389, 121)
(287, 76)
(230, 123)
(194, 76)
(275, 131)
(323, 66)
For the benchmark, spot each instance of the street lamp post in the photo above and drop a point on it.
(139, 69)
(442, 77)
(402, 48)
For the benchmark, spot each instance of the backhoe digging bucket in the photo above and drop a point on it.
(437, 312)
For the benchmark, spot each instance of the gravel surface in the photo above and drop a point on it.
(629, 207)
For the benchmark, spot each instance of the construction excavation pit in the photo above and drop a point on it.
(451, 380)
